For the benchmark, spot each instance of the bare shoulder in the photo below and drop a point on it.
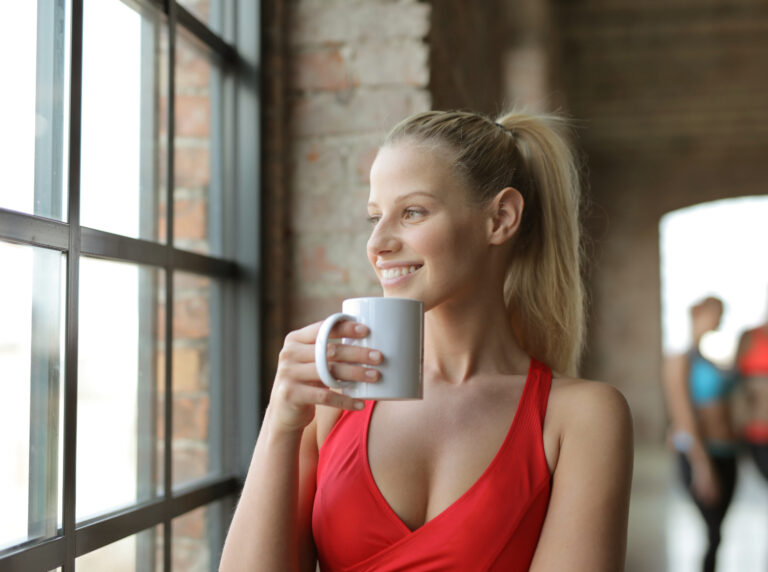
(591, 402)
(583, 414)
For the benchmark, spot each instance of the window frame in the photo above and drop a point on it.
(238, 48)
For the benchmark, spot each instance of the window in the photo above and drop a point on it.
(129, 301)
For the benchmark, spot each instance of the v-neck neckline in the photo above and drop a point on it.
(384, 503)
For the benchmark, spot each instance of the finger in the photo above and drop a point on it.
(301, 394)
(354, 354)
(343, 329)
(305, 353)
(324, 396)
(307, 372)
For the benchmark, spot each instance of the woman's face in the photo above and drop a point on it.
(426, 241)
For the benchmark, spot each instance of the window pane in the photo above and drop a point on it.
(197, 149)
(31, 366)
(197, 343)
(33, 112)
(207, 11)
(124, 95)
(119, 419)
(198, 537)
(137, 553)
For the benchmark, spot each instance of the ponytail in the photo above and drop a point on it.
(543, 289)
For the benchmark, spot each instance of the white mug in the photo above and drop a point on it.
(396, 328)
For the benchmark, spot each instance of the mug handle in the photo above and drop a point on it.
(321, 352)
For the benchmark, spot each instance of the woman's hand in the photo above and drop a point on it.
(297, 388)
(704, 483)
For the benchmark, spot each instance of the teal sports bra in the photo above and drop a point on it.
(707, 382)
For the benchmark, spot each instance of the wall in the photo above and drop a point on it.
(355, 69)
(671, 99)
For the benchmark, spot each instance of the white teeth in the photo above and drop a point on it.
(390, 273)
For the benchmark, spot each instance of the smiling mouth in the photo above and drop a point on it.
(391, 273)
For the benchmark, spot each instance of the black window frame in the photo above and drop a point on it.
(237, 46)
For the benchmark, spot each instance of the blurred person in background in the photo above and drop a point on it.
(752, 367)
(698, 400)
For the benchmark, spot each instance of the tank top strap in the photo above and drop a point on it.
(536, 393)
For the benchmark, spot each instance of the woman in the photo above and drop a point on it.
(752, 365)
(492, 470)
(698, 401)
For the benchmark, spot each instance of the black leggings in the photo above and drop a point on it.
(759, 453)
(725, 468)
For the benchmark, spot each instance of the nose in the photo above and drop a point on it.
(383, 239)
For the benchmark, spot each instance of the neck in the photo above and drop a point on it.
(463, 340)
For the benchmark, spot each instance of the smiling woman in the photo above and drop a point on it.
(494, 469)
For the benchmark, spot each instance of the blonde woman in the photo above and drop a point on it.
(510, 462)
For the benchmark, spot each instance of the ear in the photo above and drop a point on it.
(506, 210)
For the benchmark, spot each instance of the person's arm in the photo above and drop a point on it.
(586, 523)
(271, 527)
(686, 434)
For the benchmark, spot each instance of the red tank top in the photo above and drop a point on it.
(495, 525)
(754, 360)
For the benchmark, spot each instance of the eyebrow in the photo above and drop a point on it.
(408, 196)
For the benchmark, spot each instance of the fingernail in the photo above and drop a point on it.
(361, 329)
(370, 373)
(359, 405)
(374, 355)
(331, 351)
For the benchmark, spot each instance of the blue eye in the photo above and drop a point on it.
(373, 219)
(412, 213)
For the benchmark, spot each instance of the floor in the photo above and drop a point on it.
(666, 532)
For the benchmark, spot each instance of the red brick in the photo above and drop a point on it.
(189, 462)
(190, 417)
(191, 525)
(318, 167)
(192, 167)
(193, 116)
(191, 318)
(190, 219)
(402, 62)
(319, 69)
(325, 23)
(364, 111)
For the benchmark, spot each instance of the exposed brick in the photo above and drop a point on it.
(362, 160)
(190, 417)
(191, 524)
(360, 111)
(192, 167)
(190, 219)
(327, 23)
(402, 62)
(333, 264)
(318, 167)
(191, 318)
(340, 212)
(193, 116)
(190, 462)
(187, 370)
(193, 69)
(323, 69)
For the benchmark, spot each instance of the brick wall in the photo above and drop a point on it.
(670, 95)
(355, 69)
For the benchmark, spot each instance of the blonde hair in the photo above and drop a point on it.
(543, 289)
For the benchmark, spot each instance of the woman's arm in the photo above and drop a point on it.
(271, 527)
(686, 433)
(586, 523)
